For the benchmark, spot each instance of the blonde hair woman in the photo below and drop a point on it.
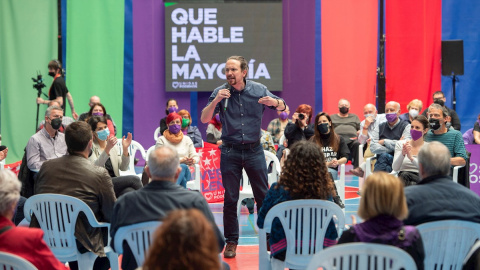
(414, 108)
(383, 207)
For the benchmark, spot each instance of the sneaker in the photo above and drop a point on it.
(357, 172)
(230, 250)
(250, 205)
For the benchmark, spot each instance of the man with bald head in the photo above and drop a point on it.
(388, 133)
(436, 196)
(155, 200)
(346, 124)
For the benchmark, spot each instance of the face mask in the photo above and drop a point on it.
(97, 114)
(439, 102)
(174, 129)
(323, 128)
(370, 115)
(413, 113)
(103, 134)
(172, 109)
(343, 110)
(283, 115)
(185, 122)
(56, 123)
(416, 134)
(51, 74)
(434, 123)
(217, 117)
(391, 117)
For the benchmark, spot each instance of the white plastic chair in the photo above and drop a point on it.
(139, 238)
(362, 256)
(340, 184)
(2, 165)
(13, 262)
(132, 149)
(368, 166)
(447, 242)
(57, 215)
(273, 177)
(282, 139)
(455, 173)
(156, 134)
(304, 222)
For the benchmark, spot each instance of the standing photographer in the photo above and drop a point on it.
(58, 91)
(300, 128)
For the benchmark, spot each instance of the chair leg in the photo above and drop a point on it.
(113, 258)
(86, 260)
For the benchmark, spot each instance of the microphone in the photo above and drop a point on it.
(226, 100)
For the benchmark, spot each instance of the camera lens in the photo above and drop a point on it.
(301, 116)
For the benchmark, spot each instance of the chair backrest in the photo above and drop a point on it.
(132, 150)
(13, 262)
(138, 237)
(362, 256)
(149, 151)
(447, 242)
(282, 139)
(305, 223)
(57, 215)
(276, 169)
(156, 134)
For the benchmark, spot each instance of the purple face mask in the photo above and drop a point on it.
(283, 115)
(416, 134)
(391, 117)
(172, 109)
(97, 114)
(174, 129)
(217, 117)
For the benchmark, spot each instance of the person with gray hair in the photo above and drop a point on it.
(27, 243)
(47, 143)
(384, 140)
(155, 200)
(436, 196)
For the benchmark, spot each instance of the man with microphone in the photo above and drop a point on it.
(240, 104)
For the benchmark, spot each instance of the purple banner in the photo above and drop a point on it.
(474, 167)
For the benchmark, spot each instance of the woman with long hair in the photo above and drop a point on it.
(99, 110)
(300, 127)
(333, 146)
(185, 240)
(406, 151)
(304, 176)
(105, 154)
(383, 206)
(189, 130)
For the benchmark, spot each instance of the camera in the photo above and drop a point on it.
(301, 116)
(38, 82)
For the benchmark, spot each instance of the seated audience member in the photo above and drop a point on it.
(174, 137)
(48, 143)
(66, 120)
(267, 142)
(413, 109)
(468, 137)
(476, 131)
(277, 125)
(157, 199)
(27, 243)
(367, 127)
(3, 152)
(452, 139)
(304, 176)
(346, 125)
(405, 159)
(189, 130)
(99, 110)
(383, 207)
(105, 154)
(439, 98)
(300, 127)
(93, 100)
(185, 232)
(436, 196)
(214, 130)
(172, 106)
(74, 175)
(388, 133)
(333, 146)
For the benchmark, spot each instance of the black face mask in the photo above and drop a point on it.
(439, 102)
(343, 110)
(434, 123)
(56, 123)
(51, 74)
(323, 128)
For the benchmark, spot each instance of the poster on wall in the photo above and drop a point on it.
(200, 36)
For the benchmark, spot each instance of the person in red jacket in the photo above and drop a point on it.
(25, 242)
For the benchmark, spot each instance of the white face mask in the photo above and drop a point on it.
(413, 113)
